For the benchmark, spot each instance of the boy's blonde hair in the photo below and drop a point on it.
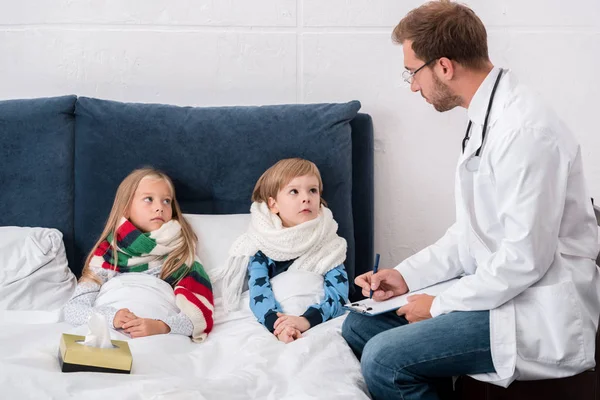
(183, 254)
(280, 174)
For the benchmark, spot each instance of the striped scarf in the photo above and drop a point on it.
(138, 252)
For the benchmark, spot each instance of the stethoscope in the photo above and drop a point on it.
(473, 163)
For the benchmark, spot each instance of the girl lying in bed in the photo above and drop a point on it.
(146, 233)
(291, 228)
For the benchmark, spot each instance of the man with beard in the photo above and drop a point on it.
(524, 242)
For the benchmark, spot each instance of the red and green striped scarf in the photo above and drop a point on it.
(138, 252)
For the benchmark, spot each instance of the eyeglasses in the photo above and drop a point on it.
(409, 76)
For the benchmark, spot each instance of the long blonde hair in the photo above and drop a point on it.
(282, 173)
(184, 254)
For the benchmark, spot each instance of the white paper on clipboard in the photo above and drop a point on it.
(372, 307)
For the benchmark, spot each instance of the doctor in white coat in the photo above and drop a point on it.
(524, 240)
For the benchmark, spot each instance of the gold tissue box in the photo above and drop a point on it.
(75, 357)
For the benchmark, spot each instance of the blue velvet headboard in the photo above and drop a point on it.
(63, 158)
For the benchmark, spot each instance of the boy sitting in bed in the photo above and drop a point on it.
(291, 229)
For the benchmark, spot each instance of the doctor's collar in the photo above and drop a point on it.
(479, 102)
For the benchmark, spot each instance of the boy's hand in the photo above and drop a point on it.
(299, 323)
(289, 334)
(141, 327)
(122, 316)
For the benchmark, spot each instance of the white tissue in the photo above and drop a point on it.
(98, 332)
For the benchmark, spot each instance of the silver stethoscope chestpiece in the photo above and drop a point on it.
(473, 163)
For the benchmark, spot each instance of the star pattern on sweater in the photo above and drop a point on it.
(260, 281)
(327, 283)
(341, 279)
(259, 299)
(341, 300)
(330, 301)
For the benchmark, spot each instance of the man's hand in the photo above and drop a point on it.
(299, 323)
(385, 284)
(122, 316)
(417, 309)
(289, 334)
(141, 327)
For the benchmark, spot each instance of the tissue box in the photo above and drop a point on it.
(74, 356)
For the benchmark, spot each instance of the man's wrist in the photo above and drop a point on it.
(410, 276)
(403, 284)
(435, 309)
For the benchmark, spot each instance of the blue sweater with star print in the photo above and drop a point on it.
(264, 305)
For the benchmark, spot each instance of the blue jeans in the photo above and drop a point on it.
(410, 361)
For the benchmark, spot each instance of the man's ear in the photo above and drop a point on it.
(273, 205)
(446, 68)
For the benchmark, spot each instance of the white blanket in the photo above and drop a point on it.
(239, 360)
(143, 294)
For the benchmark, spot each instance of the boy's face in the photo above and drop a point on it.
(151, 205)
(298, 201)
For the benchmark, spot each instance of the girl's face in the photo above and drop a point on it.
(151, 205)
(298, 201)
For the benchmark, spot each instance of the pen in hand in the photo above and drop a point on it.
(375, 268)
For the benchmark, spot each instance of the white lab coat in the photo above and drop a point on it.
(525, 238)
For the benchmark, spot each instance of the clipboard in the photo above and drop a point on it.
(371, 307)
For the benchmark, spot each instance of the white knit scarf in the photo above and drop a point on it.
(314, 245)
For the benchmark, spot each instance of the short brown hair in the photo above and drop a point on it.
(280, 174)
(445, 29)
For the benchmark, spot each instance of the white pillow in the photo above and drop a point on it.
(216, 233)
(34, 273)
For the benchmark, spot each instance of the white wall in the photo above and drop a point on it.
(225, 52)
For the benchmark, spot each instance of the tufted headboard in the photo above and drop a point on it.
(62, 159)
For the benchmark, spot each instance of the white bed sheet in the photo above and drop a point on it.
(239, 360)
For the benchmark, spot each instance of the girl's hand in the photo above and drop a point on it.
(299, 323)
(122, 316)
(141, 327)
(289, 334)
